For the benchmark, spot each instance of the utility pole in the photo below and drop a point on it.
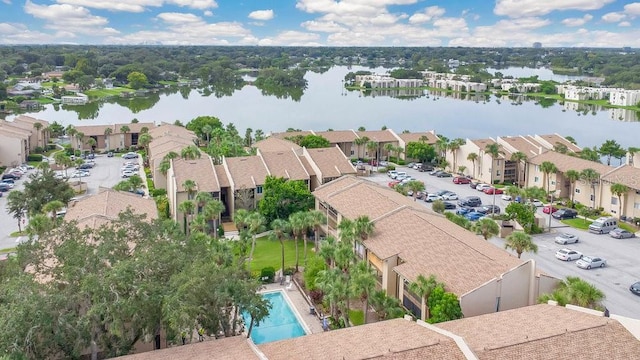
(551, 208)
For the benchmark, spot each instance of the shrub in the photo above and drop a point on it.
(51, 146)
(34, 157)
(401, 162)
(289, 271)
(267, 274)
(150, 185)
(438, 206)
(391, 167)
(316, 296)
(314, 266)
(158, 192)
(39, 150)
(220, 229)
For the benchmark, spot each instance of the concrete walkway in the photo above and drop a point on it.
(301, 307)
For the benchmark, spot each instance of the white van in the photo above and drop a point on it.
(399, 174)
(603, 225)
(391, 173)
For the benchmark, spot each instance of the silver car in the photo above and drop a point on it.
(588, 262)
(568, 255)
(619, 233)
(566, 238)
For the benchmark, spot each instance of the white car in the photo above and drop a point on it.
(588, 262)
(407, 179)
(537, 203)
(391, 173)
(482, 187)
(566, 238)
(568, 255)
(506, 197)
(128, 173)
(130, 167)
(449, 196)
(432, 198)
(79, 174)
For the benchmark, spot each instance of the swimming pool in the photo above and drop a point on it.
(281, 323)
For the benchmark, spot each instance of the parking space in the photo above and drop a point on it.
(623, 267)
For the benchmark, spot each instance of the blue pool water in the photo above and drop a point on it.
(280, 324)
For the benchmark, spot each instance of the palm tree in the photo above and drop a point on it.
(212, 211)
(364, 283)
(494, 151)
(487, 228)
(53, 207)
(80, 139)
(363, 227)
(124, 130)
(280, 228)
(592, 177)
(454, 146)
(191, 152)
(241, 219)
(372, 148)
(442, 144)
(256, 225)
(520, 242)
(473, 157)
(206, 131)
(107, 134)
(572, 177)
(359, 142)
(317, 219)
(37, 126)
(575, 291)
(547, 167)
(62, 160)
(308, 224)
(165, 165)
(92, 143)
(199, 224)
(415, 186)
(389, 148)
(39, 224)
(619, 190)
(190, 187)
(328, 250)
(298, 226)
(201, 199)
(186, 208)
(423, 287)
(518, 157)
(144, 140)
(399, 151)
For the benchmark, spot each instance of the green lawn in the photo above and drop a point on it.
(268, 253)
(577, 223)
(627, 227)
(100, 93)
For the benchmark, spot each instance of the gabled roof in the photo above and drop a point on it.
(223, 180)
(527, 146)
(231, 348)
(201, 171)
(12, 131)
(391, 339)
(246, 172)
(30, 120)
(286, 134)
(106, 205)
(338, 136)
(362, 197)
(275, 144)
(625, 175)
(417, 137)
(426, 242)
(97, 130)
(171, 130)
(552, 139)
(331, 161)
(544, 332)
(284, 164)
(379, 135)
(565, 162)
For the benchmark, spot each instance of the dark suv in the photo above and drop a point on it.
(470, 201)
(565, 214)
(425, 168)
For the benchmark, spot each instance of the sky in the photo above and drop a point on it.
(476, 23)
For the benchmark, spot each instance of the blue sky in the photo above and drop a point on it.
(499, 23)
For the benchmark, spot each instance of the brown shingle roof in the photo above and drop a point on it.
(246, 172)
(30, 120)
(379, 135)
(426, 242)
(555, 138)
(338, 136)
(275, 144)
(223, 180)
(394, 339)
(416, 137)
(285, 164)
(565, 163)
(199, 170)
(171, 130)
(95, 130)
(544, 332)
(331, 162)
(286, 134)
(231, 348)
(307, 166)
(527, 146)
(12, 131)
(625, 175)
(108, 204)
(322, 192)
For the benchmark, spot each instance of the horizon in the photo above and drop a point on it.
(606, 24)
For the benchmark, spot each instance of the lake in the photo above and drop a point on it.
(326, 104)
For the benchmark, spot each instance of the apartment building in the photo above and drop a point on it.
(109, 137)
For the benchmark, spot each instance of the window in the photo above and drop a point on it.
(259, 189)
(591, 198)
(535, 179)
(577, 191)
(614, 200)
(352, 152)
(553, 182)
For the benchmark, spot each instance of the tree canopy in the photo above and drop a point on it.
(421, 151)
(284, 197)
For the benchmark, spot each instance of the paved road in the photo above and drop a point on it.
(106, 173)
(622, 255)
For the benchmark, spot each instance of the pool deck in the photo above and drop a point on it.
(300, 306)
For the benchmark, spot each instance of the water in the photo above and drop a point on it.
(325, 104)
(281, 323)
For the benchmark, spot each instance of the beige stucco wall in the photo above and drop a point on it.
(516, 287)
(629, 201)
(12, 151)
(389, 277)
(481, 300)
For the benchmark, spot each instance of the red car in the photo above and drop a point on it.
(493, 191)
(549, 209)
(393, 183)
(461, 180)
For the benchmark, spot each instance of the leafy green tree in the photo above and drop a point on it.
(364, 284)
(575, 291)
(44, 187)
(282, 197)
(592, 177)
(611, 148)
(487, 228)
(423, 287)
(444, 306)
(314, 142)
(524, 214)
(520, 242)
(202, 123)
(424, 152)
(17, 206)
(548, 168)
(572, 176)
(256, 222)
(137, 80)
(619, 190)
(590, 154)
(473, 157)
(438, 206)
(280, 228)
(415, 186)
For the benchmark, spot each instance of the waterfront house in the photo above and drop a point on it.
(118, 136)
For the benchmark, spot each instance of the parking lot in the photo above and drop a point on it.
(105, 173)
(623, 266)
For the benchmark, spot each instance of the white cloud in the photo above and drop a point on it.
(573, 22)
(323, 26)
(632, 9)
(624, 24)
(613, 17)
(427, 15)
(262, 15)
(292, 38)
(526, 8)
(180, 18)
(69, 18)
(362, 7)
(139, 5)
(208, 13)
(449, 27)
(8, 2)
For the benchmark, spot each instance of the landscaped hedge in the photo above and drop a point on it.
(34, 157)
(267, 275)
